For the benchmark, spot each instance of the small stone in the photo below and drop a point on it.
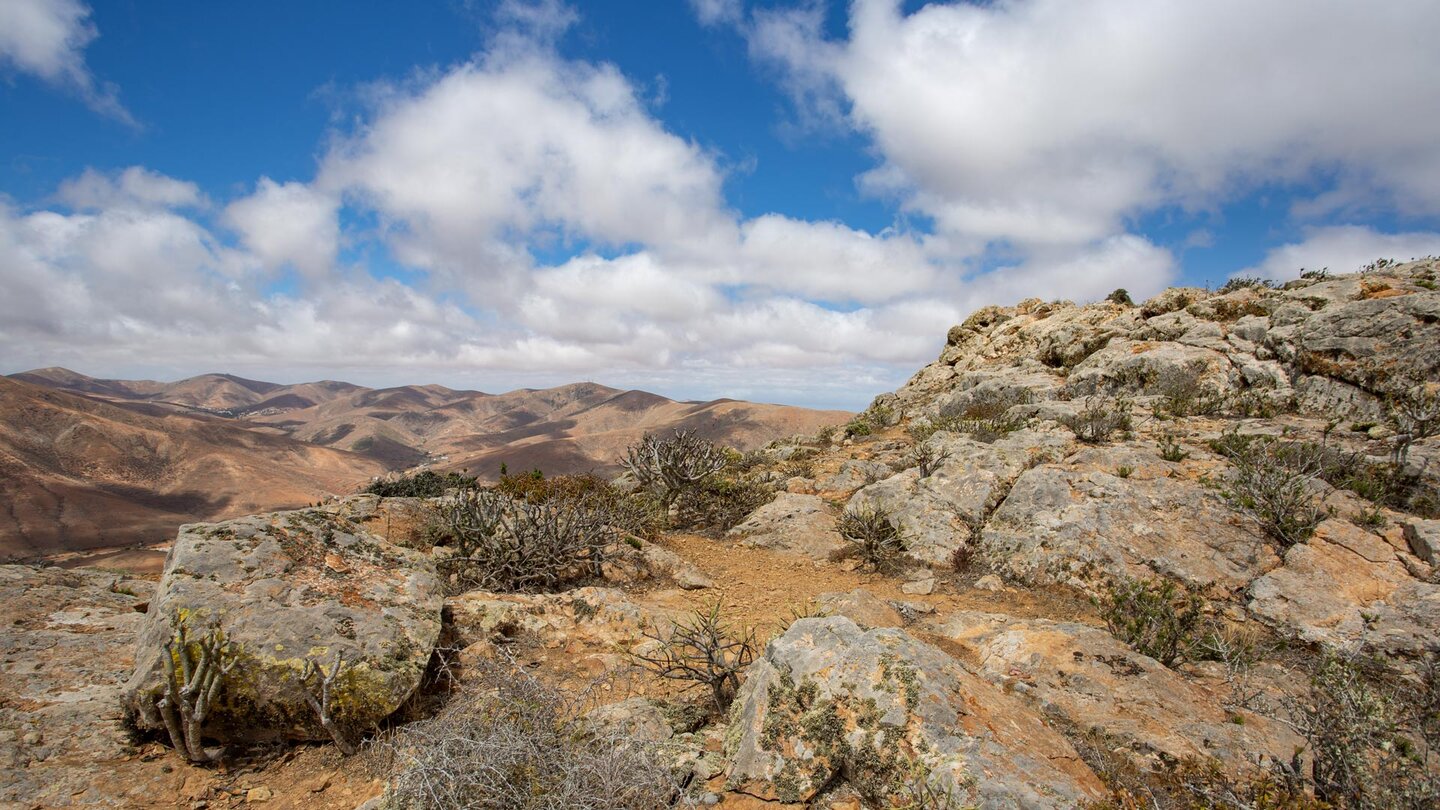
(259, 794)
(990, 582)
(919, 587)
(32, 738)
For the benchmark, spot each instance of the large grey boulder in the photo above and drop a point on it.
(803, 524)
(1081, 523)
(287, 588)
(881, 710)
(936, 511)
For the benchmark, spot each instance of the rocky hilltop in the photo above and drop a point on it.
(1180, 553)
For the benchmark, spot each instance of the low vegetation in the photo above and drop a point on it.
(509, 741)
(500, 543)
(1373, 745)
(1099, 419)
(982, 414)
(424, 484)
(1156, 617)
(874, 536)
(703, 650)
(1273, 484)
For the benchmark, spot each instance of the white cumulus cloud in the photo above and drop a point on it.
(47, 38)
(288, 223)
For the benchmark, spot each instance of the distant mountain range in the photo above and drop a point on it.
(88, 463)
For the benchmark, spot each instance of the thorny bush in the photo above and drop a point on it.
(874, 536)
(703, 650)
(509, 742)
(502, 544)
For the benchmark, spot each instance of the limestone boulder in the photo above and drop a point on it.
(803, 524)
(879, 709)
(1082, 522)
(284, 589)
(1092, 681)
(937, 510)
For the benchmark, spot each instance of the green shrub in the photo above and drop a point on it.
(983, 414)
(1157, 617)
(1245, 283)
(721, 502)
(1170, 448)
(424, 484)
(1272, 483)
(1120, 296)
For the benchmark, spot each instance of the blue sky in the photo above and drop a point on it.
(777, 201)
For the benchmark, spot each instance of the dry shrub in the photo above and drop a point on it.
(1099, 419)
(509, 742)
(1373, 744)
(705, 651)
(874, 536)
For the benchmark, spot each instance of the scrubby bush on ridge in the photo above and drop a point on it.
(508, 741)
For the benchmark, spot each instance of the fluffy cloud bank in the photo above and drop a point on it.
(526, 218)
(1053, 122)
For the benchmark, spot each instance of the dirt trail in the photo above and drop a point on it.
(765, 588)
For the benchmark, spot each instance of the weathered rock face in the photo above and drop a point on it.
(881, 710)
(804, 524)
(286, 588)
(936, 511)
(1080, 523)
(860, 606)
(584, 632)
(64, 655)
(1346, 584)
(1092, 681)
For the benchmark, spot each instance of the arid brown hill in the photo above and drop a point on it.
(77, 473)
(571, 428)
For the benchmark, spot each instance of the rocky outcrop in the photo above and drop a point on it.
(65, 644)
(936, 511)
(584, 632)
(1346, 585)
(1085, 677)
(1082, 523)
(285, 589)
(804, 524)
(1338, 344)
(884, 712)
